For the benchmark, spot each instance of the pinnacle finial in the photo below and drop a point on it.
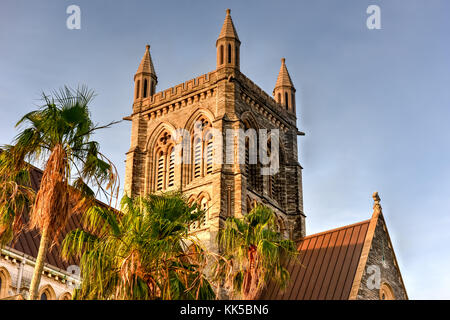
(146, 64)
(284, 79)
(376, 197)
(376, 202)
(228, 30)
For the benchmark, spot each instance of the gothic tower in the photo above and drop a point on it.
(205, 108)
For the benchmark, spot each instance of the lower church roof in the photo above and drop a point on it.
(325, 267)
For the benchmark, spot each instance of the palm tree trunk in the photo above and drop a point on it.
(39, 266)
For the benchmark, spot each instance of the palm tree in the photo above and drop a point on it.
(253, 253)
(58, 136)
(143, 252)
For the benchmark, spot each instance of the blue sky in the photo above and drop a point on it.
(375, 104)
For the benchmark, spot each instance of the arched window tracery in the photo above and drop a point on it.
(202, 151)
(164, 162)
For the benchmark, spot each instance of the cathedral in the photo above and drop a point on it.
(177, 143)
(350, 262)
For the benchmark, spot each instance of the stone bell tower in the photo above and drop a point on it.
(217, 101)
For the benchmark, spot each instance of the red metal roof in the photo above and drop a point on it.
(325, 267)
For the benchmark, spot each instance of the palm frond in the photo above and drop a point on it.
(253, 251)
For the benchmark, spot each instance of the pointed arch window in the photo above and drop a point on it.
(138, 88)
(202, 150)
(286, 99)
(5, 282)
(386, 292)
(164, 163)
(47, 293)
(229, 53)
(152, 89)
(221, 54)
(145, 88)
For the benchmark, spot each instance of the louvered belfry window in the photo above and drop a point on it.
(171, 173)
(197, 158)
(164, 162)
(201, 150)
(160, 172)
(209, 155)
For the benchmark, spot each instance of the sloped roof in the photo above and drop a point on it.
(28, 240)
(325, 267)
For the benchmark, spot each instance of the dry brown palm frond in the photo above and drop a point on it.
(52, 205)
(15, 200)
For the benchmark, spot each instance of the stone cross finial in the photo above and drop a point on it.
(376, 202)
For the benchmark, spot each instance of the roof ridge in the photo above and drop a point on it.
(334, 230)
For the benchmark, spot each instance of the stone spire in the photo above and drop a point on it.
(228, 30)
(284, 91)
(284, 79)
(145, 79)
(228, 45)
(146, 65)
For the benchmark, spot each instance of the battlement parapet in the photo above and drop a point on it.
(267, 100)
(180, 90)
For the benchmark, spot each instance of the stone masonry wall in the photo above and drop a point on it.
(381, 258)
